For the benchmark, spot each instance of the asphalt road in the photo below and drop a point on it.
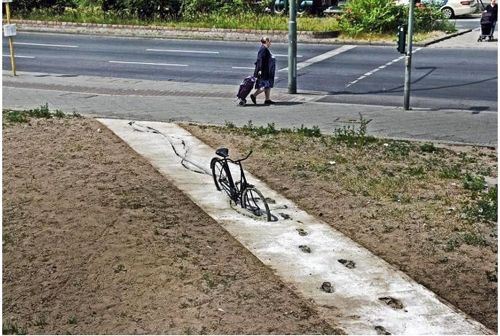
(457, 78)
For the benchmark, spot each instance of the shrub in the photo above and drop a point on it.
(384, 16)
(55, 6)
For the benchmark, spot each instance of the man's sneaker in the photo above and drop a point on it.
(254, 100)
(269, 102)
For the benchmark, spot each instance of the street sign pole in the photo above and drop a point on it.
(10, 32)
(292, 48)
(411, 15)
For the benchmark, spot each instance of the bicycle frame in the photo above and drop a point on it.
(238, 186)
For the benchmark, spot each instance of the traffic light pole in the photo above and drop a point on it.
(411, 16)
(292, 48)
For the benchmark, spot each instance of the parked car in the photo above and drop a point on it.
(449, 8)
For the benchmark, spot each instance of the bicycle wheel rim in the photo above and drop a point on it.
(254, 201)
(221, 179)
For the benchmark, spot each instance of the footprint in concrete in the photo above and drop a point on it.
(302, 232)
(392, 302)
(381, 331)
(327, 287)
(270, 200)
(305, 248)
(347, 263)
(284, 215)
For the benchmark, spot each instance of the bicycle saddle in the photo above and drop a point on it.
(224, 152)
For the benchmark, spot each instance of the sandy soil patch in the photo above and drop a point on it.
(95, 241)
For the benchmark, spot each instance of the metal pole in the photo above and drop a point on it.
(11, 44)
(292, 48)
(411, 15)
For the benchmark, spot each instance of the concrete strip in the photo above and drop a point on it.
(371, 298)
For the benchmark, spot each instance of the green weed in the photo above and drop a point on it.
(15, 116)
(396, 149)
(352, 136)
(416, 171)
(451, 172)
(474, 239)
(72, 320)
(428, 148)
(485, 208)
(452, 244)
(11, 328)
(41, 321)
(474, 183)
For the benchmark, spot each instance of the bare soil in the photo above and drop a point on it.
(95, 241)
(407, 202)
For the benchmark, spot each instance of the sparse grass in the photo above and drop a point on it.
(474, 183)
(474, 239)
(40, 321)
(484, 208)
(12, 328)
(13, 116)
(72, 319)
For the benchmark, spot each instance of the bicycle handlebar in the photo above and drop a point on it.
(243, 159)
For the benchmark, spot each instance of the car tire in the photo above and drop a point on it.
(448, 13)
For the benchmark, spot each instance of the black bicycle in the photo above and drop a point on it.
(240, 192)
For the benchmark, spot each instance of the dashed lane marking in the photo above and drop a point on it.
(183, 51)
(47, 45)
(19, 56)
(371, 72)
(147, 63)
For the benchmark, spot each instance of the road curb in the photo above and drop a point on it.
(199, 33)
(439, 39)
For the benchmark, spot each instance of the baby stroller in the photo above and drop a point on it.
(487, 26)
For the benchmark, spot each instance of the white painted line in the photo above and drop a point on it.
(286, 55)
(322, 57)
(371, 72)
(244, 68)
(146, 63)
(184, 51)
(19, 56)
(47, 45)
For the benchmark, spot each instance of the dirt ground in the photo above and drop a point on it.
(95, 241)
(392, 198)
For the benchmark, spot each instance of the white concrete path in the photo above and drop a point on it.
(370, 298)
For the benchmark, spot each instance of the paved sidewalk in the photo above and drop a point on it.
(215, 104)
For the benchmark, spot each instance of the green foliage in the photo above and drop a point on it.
(451, 172)
(398, 149)
(474, 183)
(11, 328)
(352, 136)
(382, 16)
(54, 6)
(474, 239)
(485, 208)
(376, 16)
(42, 112)
(428, 148)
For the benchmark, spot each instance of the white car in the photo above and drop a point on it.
(449, 8)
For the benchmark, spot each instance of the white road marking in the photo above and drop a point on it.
(371, 72)
(322, 57)
(146, 63)
(184, 51)
(47, 45)
(286, 55)
(244, 68)
(19, 56)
